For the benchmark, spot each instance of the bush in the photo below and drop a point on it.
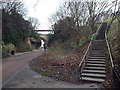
(10, 47)
(82, 41)
(6, 49)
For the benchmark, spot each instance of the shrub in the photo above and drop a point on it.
(6, 49)
(10, 47)
(82, 41)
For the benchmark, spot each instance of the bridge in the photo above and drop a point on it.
(45, 31)
(44, 34)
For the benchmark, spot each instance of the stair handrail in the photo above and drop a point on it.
(91, 40)
(111, 58)
(109, 50)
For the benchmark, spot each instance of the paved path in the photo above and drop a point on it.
(27, 78)
(12, 65)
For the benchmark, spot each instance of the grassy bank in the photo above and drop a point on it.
(60, 62)
(114, 37)
(62, 59)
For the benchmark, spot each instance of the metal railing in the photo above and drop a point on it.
(108, 46)
(109, 51)
(115, 74)
(83, 61)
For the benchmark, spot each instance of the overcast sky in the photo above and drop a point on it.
(42, 11)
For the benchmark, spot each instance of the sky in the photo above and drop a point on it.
(42, 10)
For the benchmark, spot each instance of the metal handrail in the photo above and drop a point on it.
(114, 71)
(108, 46)
(109, 50)
(85, 53)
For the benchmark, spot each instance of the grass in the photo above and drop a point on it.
(44, 72)
(60, 61)
(108, 19)
(113, 32)
(36, 68)
(113, 38)
(48, 73)
(60, 50)
(96, 33)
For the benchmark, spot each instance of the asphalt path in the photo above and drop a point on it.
(12, 65)
(28, 78)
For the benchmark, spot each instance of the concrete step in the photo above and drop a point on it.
(94, 42)
(98, 44)
(94, 75)
(94, 71)
(97, 49)
(100, 51)
(95, 68)
(91, 57)
(97, 52)
(100, 41)
(96, 62)
(96, 65)
(96, 59)
(97, 55)
(92, 79)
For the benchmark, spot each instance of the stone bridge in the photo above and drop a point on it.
(44, 34)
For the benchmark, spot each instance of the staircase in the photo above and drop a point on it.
(94, 69)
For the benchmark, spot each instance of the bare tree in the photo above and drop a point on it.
(14, 6)
(115, 15)
(95, 10)
(73, 16)
(82, 14)
(35, 22)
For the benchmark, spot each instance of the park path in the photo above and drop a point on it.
(12, 65)
(28, 78)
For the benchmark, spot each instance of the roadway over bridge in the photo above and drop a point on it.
(43, 31)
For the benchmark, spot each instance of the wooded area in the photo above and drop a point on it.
(15, 28)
